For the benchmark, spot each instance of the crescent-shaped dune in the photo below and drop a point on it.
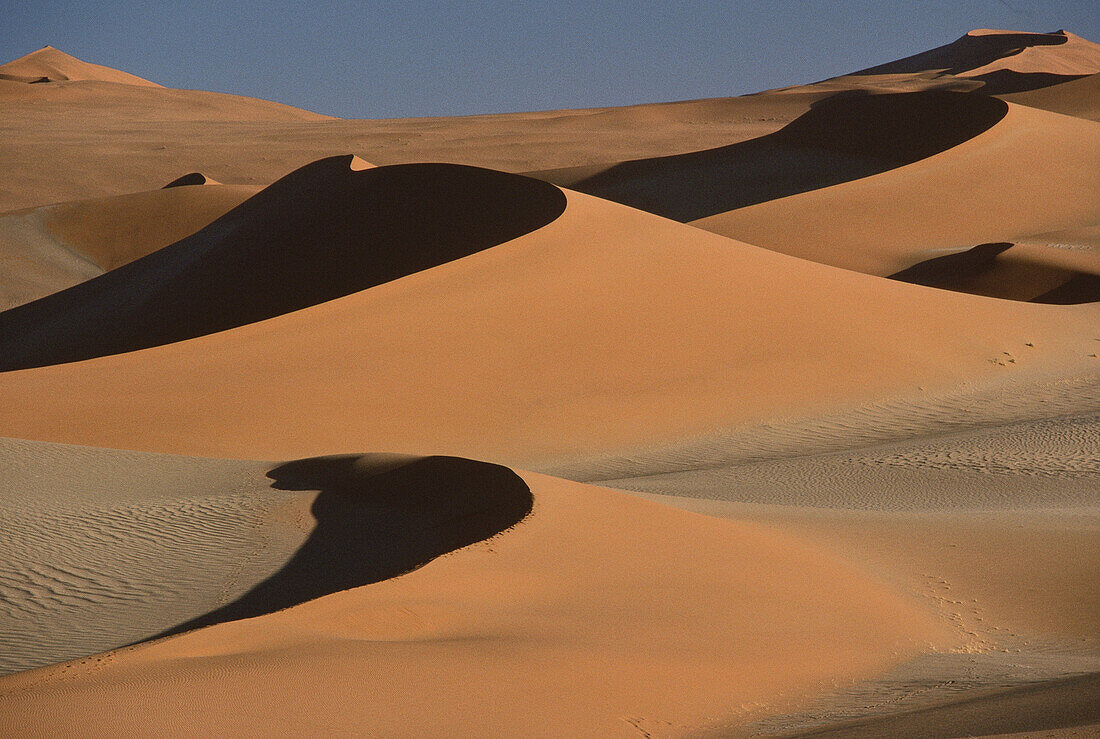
(841, 138)
(594, 615)
(607, 312)
(331, 228)
(919, 211)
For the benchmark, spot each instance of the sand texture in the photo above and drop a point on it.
(772, 415)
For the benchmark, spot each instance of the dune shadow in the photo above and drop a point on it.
(978, 271)
(968, 53)
(377, 517)
(191, 178)
(324, 231)
(1040, 707)
(1006, 81)
(845, 137)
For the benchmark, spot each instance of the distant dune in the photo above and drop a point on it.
(51, 65)
(555, 319)
(838, 341)
(839, 139)
(1005, 61)
(192, 178)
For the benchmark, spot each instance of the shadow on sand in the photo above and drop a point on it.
(377, 517)
(844, 137)
(978, 271)
(324, 231)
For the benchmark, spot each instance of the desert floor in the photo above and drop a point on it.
(770, 415)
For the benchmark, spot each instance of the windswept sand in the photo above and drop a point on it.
(546, 333)
(591, 614)
(890, 485)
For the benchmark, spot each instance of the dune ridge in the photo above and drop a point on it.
(551, 320)
(52, 65)
(843, 376)
(506, 616)
(840, 138)
(919, 212)
(334, 227)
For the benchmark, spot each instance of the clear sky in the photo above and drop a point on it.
(399, 59)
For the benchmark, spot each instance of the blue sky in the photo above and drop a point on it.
(399, 59)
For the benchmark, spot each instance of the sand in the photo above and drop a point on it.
(770, 415)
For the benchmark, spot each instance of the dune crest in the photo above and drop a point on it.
(53, 65)
(331, 228)
(1004, 61)
(840, 138)
(192, 178)
(499, 636)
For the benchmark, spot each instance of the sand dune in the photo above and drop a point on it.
(838, 140)
(544, 332)
(493, 638)
(881, 145)
(365, 225)
(53, 247)
(48, 65)
(919, 209)
(1005, 61)
(192, 178)
(152, 545)
(859, 505)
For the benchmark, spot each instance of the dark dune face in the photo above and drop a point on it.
(321, 232)
(842, 138)
(969, 52)
(979, 271)
(191, 178)
(377, 518)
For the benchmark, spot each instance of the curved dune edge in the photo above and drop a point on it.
(52, 65)
(333, 227)
(117, 230)
(541, 336)
(571, 619)
(841, 138)
(105, 548)
(918, 209)
(192, 178)
(53, 247)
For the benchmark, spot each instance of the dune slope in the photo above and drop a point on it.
(977, 192)
(53, 247)
(588, 617)
(654, 326)
(49, 65)
(326, 230)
